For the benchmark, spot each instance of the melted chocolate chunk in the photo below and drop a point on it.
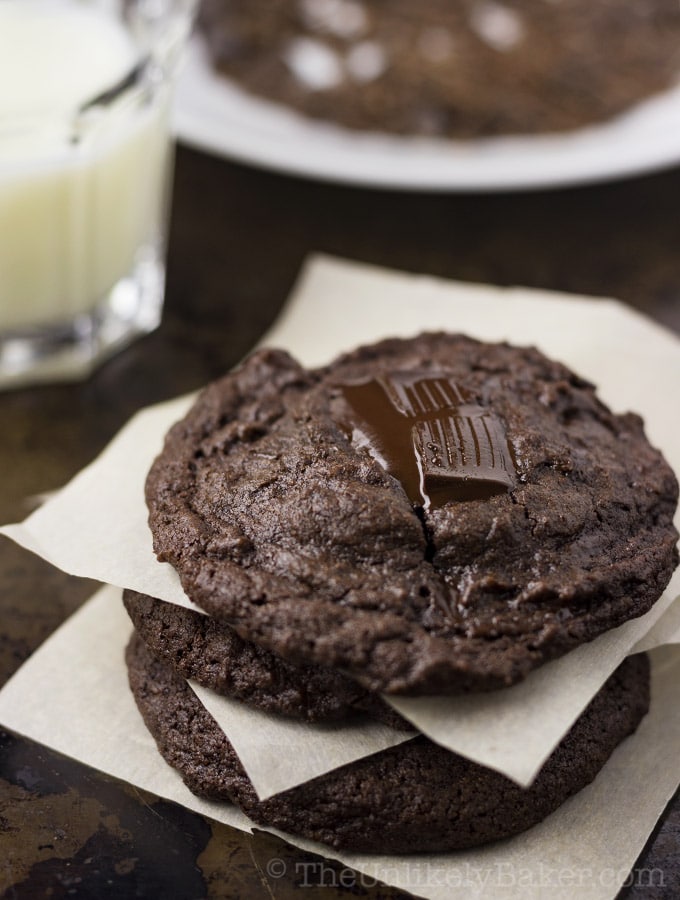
(430, 434)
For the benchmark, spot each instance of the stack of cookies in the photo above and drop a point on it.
(469, 68)
(425, 516)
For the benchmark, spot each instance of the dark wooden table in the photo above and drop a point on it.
(238, 239)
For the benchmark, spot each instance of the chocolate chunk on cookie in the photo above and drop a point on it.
(480, 513)
(209, 652)
(416, 797)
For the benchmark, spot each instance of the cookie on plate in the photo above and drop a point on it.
(473, 68)
(427, 515)
(209, 652)
(415, 797)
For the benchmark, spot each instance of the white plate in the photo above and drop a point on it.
(213, 114)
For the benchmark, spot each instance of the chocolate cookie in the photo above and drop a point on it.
(211, 653)
(430, 515)
(416, 797)
(472, 68)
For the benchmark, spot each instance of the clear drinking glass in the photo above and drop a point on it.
(85, 172)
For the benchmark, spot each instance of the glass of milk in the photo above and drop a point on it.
(85, 167)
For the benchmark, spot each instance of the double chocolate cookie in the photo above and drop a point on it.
(416, 797)
(472, 68)
(209, 652)
(431, 515)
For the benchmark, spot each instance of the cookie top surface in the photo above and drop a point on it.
(536, 519)
(416, 797)
(472, 68)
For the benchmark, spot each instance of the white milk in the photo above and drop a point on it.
(73, 214)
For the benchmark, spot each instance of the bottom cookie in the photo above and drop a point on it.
(415, 797)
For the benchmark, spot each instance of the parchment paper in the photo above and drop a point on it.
(96, 526)
(585, 849)
(271, 744)
(666, 630)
